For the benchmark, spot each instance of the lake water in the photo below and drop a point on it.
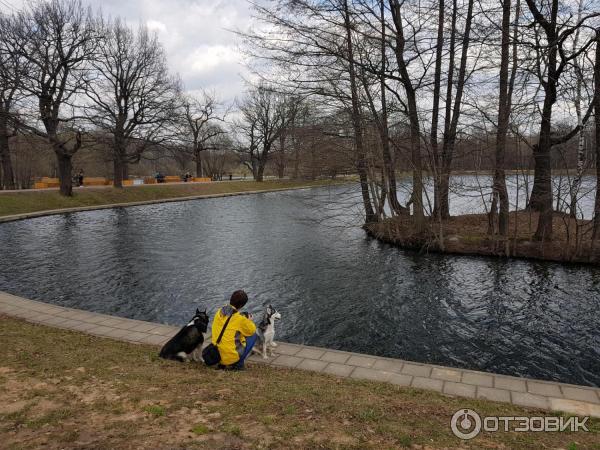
(303, 252)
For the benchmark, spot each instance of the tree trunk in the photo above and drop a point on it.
(199, 171)
(596, 233)
(296, 163)
(361, 163)
(500, 194)
(413, 116)
(281, 159)
(117, 171)
(450, 133)
(435, 165)
(65, 173)
(260, 171)
(8, 177)
(388, 161)
(581, 141)
(580, 167)
(444, 192)
(541, 194)
(443, 202)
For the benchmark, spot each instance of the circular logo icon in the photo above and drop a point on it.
(465, 424)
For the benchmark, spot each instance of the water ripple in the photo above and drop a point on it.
(334, 286)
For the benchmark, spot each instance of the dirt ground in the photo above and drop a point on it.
(61, 389)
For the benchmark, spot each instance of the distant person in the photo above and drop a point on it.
(80, 178)
(159, 177)
(186, 177)
(230, 176)
(239, 336)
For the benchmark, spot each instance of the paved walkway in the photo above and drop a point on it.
(579, 400)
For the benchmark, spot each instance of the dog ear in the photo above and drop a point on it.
(197, 312)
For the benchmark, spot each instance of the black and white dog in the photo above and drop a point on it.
(266, 332)
(187, 343)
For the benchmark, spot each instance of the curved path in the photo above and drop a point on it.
(51, 212)
(579, 400)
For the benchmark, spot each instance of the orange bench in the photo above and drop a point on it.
(95, 181)
(201, 180)
(172, 179)
(50, 182)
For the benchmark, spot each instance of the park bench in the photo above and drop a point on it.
(95, 181)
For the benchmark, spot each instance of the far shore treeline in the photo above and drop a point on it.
(507, 91)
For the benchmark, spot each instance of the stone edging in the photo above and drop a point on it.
(52, 212)
(553, 396)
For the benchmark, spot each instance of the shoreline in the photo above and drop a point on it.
(425, 247)
(519, 391)
(92, 392)
(463, 241)
(100, 206)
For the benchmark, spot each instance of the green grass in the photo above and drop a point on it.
(155, 410)
(34, 201)
(125, 398)
(200, 429)
(54, 417)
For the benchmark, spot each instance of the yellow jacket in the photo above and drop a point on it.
(233, 342)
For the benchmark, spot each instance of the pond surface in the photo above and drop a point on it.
(301, 251)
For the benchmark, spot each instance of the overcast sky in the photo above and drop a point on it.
(195, 35)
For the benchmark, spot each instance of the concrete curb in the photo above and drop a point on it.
(53, 212)
(470, 384)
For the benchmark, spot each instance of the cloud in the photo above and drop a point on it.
(196, 35)
(155, 25)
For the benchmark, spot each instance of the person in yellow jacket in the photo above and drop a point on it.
(239, 336)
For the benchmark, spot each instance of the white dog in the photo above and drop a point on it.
(266, 332)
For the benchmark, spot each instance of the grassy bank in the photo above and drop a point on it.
(33, 201)
(61, 389)
(468, 235)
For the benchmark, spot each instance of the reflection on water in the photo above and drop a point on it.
(334, 286)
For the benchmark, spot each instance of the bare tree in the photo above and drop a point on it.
(200, 126)
(552, 58)
(453, 110)
(596, 233)
(12, 69)
(413, 113)
(506, 84)
(577, 100)
(133, 95)
(265, 114)
(57, 39)
(219, 157)
(356, 116)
